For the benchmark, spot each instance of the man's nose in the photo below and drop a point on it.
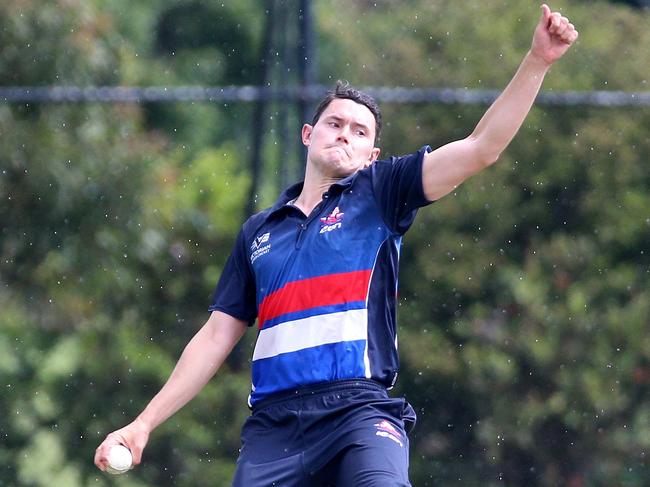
(344, 134)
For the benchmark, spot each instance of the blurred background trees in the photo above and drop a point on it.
(523, 295)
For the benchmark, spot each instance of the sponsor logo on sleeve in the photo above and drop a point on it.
(260, 246)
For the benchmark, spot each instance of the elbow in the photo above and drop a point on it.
(485, 154)
(488, 159)
(485, 159)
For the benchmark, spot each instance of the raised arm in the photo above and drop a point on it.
(200, 360)
(448, 166)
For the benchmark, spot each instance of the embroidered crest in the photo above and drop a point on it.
(332, 221)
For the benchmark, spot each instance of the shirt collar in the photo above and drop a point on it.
(287, 195)
(292, 192)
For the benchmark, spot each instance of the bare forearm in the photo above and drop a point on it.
(448, 166)
(501, 122)
(200, 360)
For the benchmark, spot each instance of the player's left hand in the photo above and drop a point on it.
(553, 36)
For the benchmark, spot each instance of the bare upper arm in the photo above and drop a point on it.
(444, 169)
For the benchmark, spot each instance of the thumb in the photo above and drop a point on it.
(546, 15)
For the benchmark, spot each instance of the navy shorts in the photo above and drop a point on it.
(346, 434)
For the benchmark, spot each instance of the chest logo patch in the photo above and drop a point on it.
(260, 246)
(332, 221)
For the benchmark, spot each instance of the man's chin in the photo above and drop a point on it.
(343, 171)
(339, 167)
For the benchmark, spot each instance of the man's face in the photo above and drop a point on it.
(342, 141)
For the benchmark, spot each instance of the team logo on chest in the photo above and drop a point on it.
(332, 221)
(260, 246)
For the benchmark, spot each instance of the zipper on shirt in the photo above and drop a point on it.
(301, 229)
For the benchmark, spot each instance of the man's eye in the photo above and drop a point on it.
(361, 133)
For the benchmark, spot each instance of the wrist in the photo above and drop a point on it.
(538, 61)
(144, 424)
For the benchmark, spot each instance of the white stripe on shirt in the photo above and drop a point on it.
(312, 332)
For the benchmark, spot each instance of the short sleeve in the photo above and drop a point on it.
(397, 185)
(235, 291)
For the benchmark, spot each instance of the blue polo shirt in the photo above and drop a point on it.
(323, 287)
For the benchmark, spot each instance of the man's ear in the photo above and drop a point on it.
(306, 134)
(374, 155)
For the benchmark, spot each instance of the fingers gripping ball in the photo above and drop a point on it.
(119, 460)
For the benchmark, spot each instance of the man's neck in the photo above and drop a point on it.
(312, 191)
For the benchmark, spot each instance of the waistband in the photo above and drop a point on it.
(319, 388)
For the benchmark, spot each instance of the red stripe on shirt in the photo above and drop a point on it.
(310, 293)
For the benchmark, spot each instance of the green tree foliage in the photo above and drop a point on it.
(522, 294)
(112, 238)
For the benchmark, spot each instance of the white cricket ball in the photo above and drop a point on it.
(119, 460)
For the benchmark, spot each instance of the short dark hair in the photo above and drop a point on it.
(344, 91)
